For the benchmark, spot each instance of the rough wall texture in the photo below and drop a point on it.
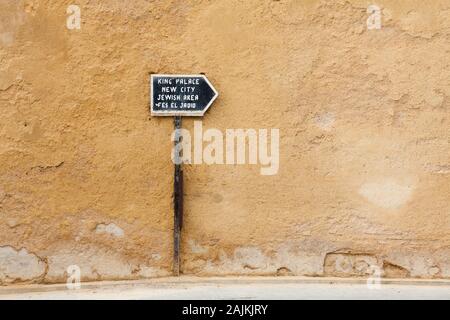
(364, 178)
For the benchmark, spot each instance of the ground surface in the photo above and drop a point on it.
(290, 288)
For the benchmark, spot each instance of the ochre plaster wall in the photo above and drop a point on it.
(364, 175)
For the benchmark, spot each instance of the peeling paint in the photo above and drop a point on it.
(20, 265)
(325, 121)
(196, 248)
(110, 228)
(97, 264)
(387, 194)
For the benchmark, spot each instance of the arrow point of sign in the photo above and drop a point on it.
(216, 94)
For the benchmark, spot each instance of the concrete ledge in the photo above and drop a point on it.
(189, 281)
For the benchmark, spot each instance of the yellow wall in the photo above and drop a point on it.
(85, 171)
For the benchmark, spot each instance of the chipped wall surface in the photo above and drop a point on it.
(364, 175)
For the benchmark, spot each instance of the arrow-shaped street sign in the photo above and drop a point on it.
(181, 95)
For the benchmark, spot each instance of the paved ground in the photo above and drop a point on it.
(184, 288)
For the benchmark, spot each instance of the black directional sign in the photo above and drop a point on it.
(181, 95)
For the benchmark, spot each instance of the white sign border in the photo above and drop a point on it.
(172, 113)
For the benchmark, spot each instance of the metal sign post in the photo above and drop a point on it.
(177, 201)
(179, 95)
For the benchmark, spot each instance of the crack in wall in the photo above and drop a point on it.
(43, 169)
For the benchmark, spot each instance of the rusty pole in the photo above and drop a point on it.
(177, 199)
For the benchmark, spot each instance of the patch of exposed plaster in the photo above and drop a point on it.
(349, 264)
(20, 265)
(419, 264)
(150, 272)
(98, 264)
(244, 259)
(156, 256)
(325, 121)
(197, 248)
(438, 168)
(287, 259)
(302, 260)
(387, 194)
(392, 270)
(12, 18)
(110, 228)
(434, 271)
